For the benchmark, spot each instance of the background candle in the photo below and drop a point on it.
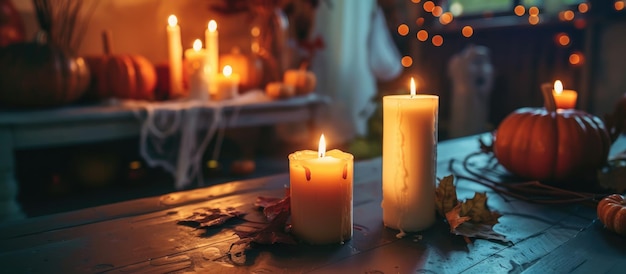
(197, 69)
(409, 160)
(321, 195)
(564, 99)
(226, 85)
(175, 54)
(212, 46)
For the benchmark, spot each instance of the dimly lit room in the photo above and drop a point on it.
(313, 136)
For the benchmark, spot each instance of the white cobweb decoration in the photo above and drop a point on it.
(174, 135)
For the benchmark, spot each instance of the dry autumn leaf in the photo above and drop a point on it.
(445, 195)
(208, 217)
(470, 218)
(476, 208)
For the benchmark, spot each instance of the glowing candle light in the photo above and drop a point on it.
(321, 195)
(409, 160)
(197, 70)
(226, 85)
(211, 37)
(175, 54)
(564, 99)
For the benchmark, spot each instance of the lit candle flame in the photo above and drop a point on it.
(172, 20)
(197, 45)
(558, 87)
(227, 70)
(413, 88)
(212, 26)
(322, 147)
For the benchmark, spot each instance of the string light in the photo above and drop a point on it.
(446, 18)
(422, 35)
(428, 6)
(467, 31)
(519, 10)
(576, 59)
(403, 29)
(437, 40)
(406, 61)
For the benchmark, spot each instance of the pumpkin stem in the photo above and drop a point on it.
(548, 97)
(106, 42)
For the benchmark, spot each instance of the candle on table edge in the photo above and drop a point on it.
(211, 37)
(564, 99)
(409, 160)
(321, 195)
(175, 55)
(226, 85)
(197, 71)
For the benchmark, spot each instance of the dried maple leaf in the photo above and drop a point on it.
(445, 195)
(479, 230)
(275, 231)
(476, 209)
(454, 218)
(264, 202)
(208, 217)
(470, 218)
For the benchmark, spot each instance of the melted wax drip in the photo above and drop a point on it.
(345, 171)
(307, 172)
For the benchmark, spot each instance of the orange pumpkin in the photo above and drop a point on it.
(11, 25)
(302, 80)
(36, 74)
(279, 90)
(125, 76)
(612, 213)
(552, 145)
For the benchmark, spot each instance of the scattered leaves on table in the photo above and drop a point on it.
(470, 218)
(275, 231)
(206, 217)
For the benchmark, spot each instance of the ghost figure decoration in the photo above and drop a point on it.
(472, 79)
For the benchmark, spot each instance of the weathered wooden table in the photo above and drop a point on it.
(143, 235)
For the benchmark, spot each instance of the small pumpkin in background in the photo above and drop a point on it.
(40, 74)
(563, 146)
(611, 212)
(279, 90)
(125, 76)
(11, 25)
(302, 80)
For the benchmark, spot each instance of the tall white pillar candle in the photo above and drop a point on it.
(175, 54)
(409, 160)
(212, 47)
(197, 71)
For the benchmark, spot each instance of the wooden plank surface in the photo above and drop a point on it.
(142, 236)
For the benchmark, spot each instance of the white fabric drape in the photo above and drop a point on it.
(358, 50)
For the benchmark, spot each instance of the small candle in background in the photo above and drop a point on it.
(175, 55)
(409, 160)
(226, 85)
(321, 195)
(198, 71)
(211, 37)
(564, 99)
